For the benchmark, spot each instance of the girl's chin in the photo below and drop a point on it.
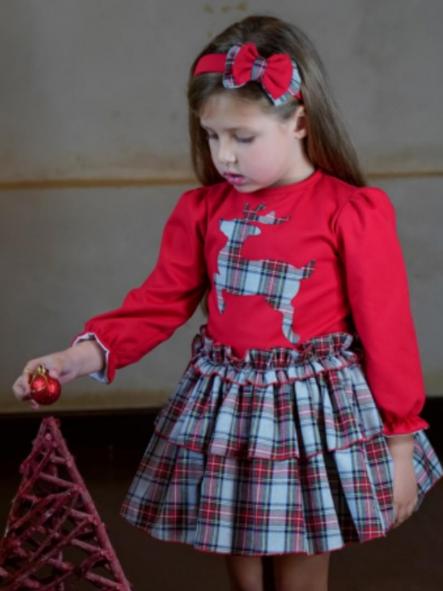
(242, 184)
(248, 187)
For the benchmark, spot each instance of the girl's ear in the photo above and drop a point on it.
(299, 120)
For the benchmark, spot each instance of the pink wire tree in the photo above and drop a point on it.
(54, 538)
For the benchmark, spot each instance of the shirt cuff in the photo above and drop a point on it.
(405, 427)
(102, 375)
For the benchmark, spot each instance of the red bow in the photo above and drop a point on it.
(274, 72)
(278, 74)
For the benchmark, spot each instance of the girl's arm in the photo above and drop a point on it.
(405, 488)
(86, 358)
(401, 446)
(152, 312)
(378, 292)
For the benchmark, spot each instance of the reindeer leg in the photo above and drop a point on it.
(287, 308)
(219, 294)
(288, 316)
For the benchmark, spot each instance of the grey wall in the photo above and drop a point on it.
(93, 155)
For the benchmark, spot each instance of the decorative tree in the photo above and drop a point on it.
(54, 538)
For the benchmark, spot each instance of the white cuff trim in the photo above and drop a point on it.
(411, 433)
(100, 376)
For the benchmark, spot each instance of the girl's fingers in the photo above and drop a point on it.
(31, 366)
(54, 364)
(21, 388)
(22, 391)
(403, 513)
(34, 404)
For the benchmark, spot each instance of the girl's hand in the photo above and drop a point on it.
(65, 366)
(405, 483)
(59, 365)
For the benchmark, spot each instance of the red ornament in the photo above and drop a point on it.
(44, 388)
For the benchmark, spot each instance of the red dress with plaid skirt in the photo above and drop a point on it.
(274, 440)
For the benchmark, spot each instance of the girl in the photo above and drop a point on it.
(295, 429)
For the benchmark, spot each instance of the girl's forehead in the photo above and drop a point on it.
(227, 106)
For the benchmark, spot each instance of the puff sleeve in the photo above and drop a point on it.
(150, 313)
(378, 292)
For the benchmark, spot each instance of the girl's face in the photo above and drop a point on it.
(251, 148)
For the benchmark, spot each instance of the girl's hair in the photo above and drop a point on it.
(327, 144)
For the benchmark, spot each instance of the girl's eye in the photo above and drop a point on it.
(210, 136)
(242, 140)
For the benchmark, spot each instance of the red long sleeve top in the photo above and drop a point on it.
(283, 265)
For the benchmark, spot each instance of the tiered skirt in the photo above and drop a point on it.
(280, 451)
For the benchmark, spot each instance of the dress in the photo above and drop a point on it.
(275, 439)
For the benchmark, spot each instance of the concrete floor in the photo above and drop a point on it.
(107, 450)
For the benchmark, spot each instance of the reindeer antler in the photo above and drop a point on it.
(248, 212)
(269, 218)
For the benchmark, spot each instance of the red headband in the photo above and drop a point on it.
(278, 74)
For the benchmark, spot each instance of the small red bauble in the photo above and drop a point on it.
(44, 388)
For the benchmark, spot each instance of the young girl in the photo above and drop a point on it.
(295, 429)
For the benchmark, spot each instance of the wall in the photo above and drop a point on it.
(93, 155)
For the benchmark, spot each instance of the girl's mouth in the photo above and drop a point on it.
(235, 179)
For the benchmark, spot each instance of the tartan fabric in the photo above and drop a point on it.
(277, 281)
(277, 403)
(280, 451)
(232, 505)
(358, 261)
(258, 74)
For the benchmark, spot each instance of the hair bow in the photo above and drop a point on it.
(277, 74)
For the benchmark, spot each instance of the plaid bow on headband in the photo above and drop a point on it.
(278, 74)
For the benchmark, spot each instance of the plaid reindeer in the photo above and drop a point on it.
(278, 282)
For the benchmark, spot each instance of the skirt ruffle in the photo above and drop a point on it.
(280, 451)
(276, 404)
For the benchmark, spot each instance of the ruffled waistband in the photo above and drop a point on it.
(319, 347)
(261, 367)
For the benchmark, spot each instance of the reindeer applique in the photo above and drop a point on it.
(278, 282)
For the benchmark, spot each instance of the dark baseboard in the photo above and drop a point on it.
(130, 429)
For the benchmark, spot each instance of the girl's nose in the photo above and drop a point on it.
(226, 152)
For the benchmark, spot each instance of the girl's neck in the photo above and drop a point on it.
(301, 169)
(301, 172)
(289, 190)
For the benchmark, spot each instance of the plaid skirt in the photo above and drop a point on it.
(280, 451)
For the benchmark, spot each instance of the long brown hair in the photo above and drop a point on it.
(327, 144)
